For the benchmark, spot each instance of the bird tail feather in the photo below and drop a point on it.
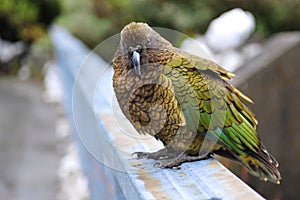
(262, 164)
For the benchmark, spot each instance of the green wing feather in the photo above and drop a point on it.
(211, 105)
(216, 109)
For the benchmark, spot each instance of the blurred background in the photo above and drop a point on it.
(258, 41)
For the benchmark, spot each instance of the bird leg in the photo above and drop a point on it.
(178, 160)
(158, 155)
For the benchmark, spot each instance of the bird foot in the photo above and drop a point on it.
(158, 155)
(177, 161)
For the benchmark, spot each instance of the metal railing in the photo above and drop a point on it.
(105, 149)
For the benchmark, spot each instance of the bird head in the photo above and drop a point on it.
(136, 39)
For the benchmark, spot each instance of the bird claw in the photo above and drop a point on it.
(171, 163)
(140, 155)
(168, 164)
(158, 155)
(177, 161)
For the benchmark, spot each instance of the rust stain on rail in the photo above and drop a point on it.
(152, 185)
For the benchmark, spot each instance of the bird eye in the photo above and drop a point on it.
(131, 49)
(149, 41)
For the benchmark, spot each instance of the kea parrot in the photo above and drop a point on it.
(185, 102)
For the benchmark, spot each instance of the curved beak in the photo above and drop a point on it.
(136, 63)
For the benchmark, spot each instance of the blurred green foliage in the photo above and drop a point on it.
(95, 20)
(79, 17)
(26, 20)
(92, 21)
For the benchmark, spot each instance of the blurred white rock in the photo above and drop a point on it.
(251, 50)
(24, 72)
(53, 88)
(9, 50)
(230, 60)
(224, 41)
(198, 47)
(73, 183)
(230, 30)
